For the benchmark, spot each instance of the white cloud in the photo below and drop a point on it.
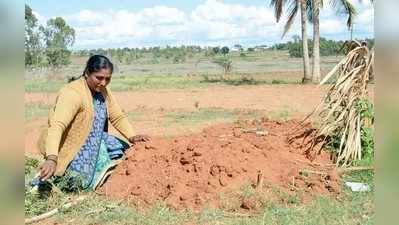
(366, 19)
(223, 21)
(160, 15)
(210, 23)
(332, 26)
(366, 3)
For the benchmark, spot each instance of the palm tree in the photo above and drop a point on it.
(316, 41)
(341, 6)
(306, 67)
(312, 14)
(293, 5)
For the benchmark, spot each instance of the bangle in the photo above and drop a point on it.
(53, 158)
(55, 161)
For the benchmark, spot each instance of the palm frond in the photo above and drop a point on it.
(344, 7)
(277, 5)
(340, 117)
(309, 10)
(293, 11)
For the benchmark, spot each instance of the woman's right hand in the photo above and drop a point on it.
(47, 169)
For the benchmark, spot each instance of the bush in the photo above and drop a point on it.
(225, 50)
(366, 109)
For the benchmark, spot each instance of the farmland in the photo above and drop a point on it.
(187, 100)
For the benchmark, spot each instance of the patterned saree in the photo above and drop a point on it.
(99, 153)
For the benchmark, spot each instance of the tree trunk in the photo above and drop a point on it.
(307, 78)
(316, 42)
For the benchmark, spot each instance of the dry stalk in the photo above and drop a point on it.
(338, 112)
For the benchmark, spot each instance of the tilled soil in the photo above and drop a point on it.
(192, 171)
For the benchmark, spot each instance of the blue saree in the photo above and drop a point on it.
(99, 153)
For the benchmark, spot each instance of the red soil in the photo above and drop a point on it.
(192, 171)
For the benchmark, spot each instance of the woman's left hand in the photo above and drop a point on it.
(139, 138)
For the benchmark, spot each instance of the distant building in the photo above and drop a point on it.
(261, 48)
(235, 49)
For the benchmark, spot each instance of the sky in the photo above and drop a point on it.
(128, 23)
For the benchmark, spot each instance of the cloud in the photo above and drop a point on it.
(161, 15)
(332, 26)
(209, 23)
(218, 20)
(365, 20)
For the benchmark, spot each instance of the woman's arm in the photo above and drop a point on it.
(119, 119)
(67, 104)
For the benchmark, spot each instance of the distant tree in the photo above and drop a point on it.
(216, 50)
(83, 52)
(327, 47)
(225, 62)
(295, 50)
(129, 56)
(296, 38)
(238, 46)
(179, 57)
(119, 55)
(33, 47)
(58, 36)
(100, 51)
(370, 42)
(225, 50)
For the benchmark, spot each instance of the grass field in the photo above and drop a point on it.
(268, 67)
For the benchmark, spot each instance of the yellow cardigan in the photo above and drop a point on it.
(71, 119)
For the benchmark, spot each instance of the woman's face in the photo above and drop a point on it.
(98, 80)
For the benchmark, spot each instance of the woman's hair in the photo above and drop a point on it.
(95, 64)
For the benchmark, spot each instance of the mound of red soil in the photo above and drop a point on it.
(191, 171)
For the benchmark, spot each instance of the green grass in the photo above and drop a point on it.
(137, 115)
(123, 83)
(43, 85)
(30, 165)
(155, 82)
(244, 80)
(129, 83)
(189, 121)
(147, 73)
(199, 116)
(192, 121)
(36, 110)
(350, 208)
(215, 114)
(97, 210)
(283, 114)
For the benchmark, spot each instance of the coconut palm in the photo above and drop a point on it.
(306, 67)
(341, 7)
(312, 14)
(316, 41)
(293, 10)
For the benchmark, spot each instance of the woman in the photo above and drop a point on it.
(77, 144)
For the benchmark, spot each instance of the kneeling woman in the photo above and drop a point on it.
(78, 146)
